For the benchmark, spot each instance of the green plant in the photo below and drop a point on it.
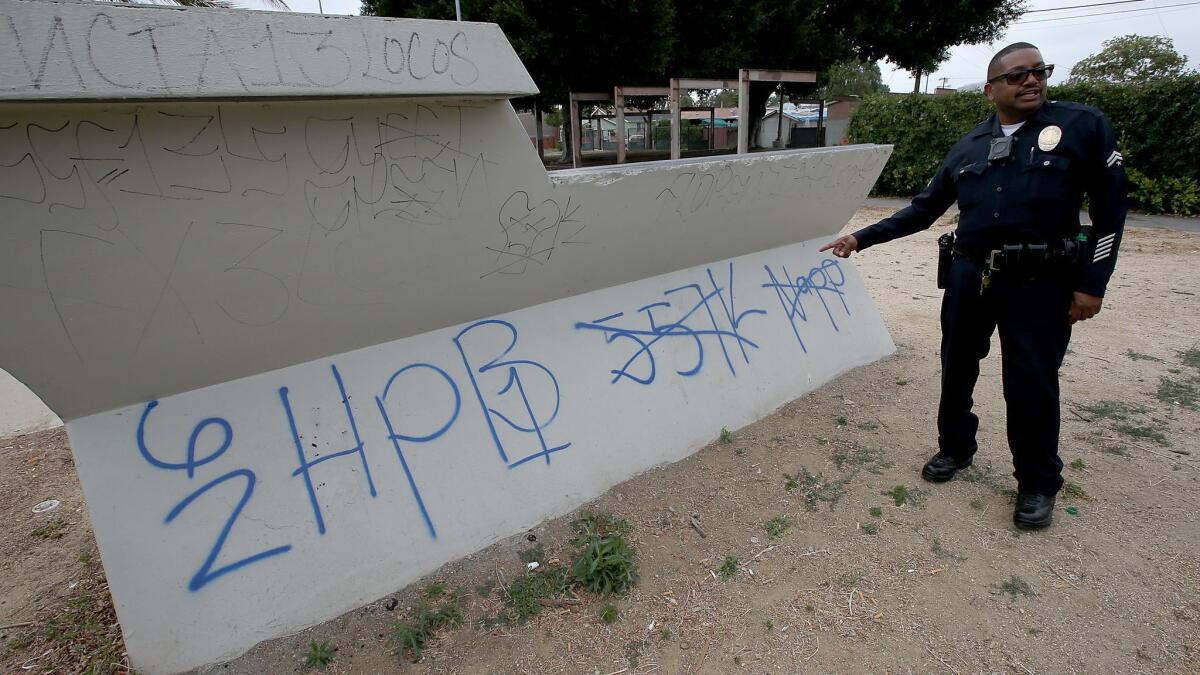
(320, 654)
(769, 624)
(726, 436)
(1147, 433)
(1078, 464)
(1113, 410)
(434, 590)
(876, 512)
(1118, 450)
(1135, 356)
(609, 614)
(728, 568)
(55, 529)
(1072, 490)
(592, 524)
(840, 421)
(1016, 586)
(870, 458)
(901, 382)
(868, 426)
(605, 565)
(1191, 356)
(525, 593)
(413, 634)
(901, 495)
(791, 482)
(869, 528)
(1184, 393)
(937, 549)
(665, 633)
(777, 526)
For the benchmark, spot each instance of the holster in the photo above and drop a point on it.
(945, 256)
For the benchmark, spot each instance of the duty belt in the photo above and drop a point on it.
(1028, 258)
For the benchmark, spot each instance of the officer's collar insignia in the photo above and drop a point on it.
(1049, 138)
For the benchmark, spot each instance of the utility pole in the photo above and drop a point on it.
(945, 81)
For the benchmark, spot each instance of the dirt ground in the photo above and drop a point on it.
(856, 583)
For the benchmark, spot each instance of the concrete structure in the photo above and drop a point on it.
(319, 321)
(21, 411)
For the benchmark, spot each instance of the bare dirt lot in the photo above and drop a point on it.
(864, 567)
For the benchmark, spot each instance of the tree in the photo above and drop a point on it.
(592, 46)
(851, 78)
(1131, 59)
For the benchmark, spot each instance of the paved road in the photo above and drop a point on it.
(1138, 219)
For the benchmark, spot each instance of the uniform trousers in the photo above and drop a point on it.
(1031, 312)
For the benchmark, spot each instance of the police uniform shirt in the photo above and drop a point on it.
(1033, 196)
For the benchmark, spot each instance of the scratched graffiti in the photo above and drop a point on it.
(693, 315)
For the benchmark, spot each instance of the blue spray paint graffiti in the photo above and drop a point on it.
(306, 465)
(819, 281)
(205, 573)
(647, 338)
(396, 437)
(512, 395)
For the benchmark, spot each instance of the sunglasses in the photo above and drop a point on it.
(1016, 77)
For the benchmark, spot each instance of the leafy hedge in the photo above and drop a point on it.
(1157, 124)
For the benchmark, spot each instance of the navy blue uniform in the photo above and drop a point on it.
(1032, 197)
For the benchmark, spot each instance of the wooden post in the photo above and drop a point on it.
(743, 111)
(779, 127)
(712, 129)
(576, 134)
(821, 125)
(676, 120)
(537, 117)
(619, 103)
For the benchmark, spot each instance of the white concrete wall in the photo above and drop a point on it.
(309, 350)
(21, 411)
(215, 536)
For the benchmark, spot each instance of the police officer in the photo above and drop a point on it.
(1020, 262)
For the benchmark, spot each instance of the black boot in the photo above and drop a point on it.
(942, 467)
(1034, 511)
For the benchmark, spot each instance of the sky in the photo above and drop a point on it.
(1064, 36)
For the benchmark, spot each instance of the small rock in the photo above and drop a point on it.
(753, 540)
(390, 604)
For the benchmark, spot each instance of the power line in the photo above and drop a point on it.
(1122, 11)
(1094, 4)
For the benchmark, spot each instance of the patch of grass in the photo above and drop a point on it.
(320, 654)
(872, 459)
(1191, 356)
(633, 651)
(85, 558)
(869, 528)
(728, 568)
(985, 476)
(737, 660)
(609, 614)
(536, 553)
(769, 624)
(790, 482)
(665, 633)
(901, 495)
(1118, 450)
(876, 512)
(1015, 586)
(485, 589)
(1112, 410)
(1072, 490)
(434, 590)
(777, 526)
(413, 634)
(726, 436)
(1135, 356)
(1146, 433)
(868, 426)
(523, 599)
(84, 637)
(1010, 493)
(602, 524)
(1078, 465)
(1177, 392)
(739, 451)
(840, 420)
(55, 529)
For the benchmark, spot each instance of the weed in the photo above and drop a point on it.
(1112, 410)
(790, 482)
(985, 476)
(777, 526)
(633, 652)
(976, 504)
(1191, 356)
(871, 459)
(1078, 465)
(1135, 356)
(1010, 493)
(1016, 586)
(739, 451)
(597, 523)
(86, 634)
(1186, 394)
(320, 654)
(728, 568)
(770, 625)
(737, 660)
(413, 634)
(876, 512)
(55, 529)
(1148, 433)
(939, 551)
(1174, 371)
(1072, 490)
(902, 495)
(665, 633)
(434, 590)
(840, 421)
(526, 592)
(869, 528)
(1118, 450)
(726, 436)
(85, 558)
(1143, 654)
(609, 614)
(809, 608)
(606, 563)
(535, 554)
(868, 426)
